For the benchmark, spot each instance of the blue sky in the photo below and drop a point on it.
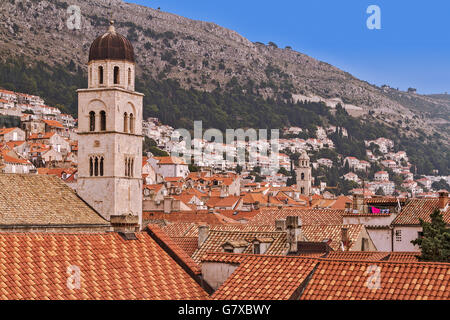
(412, 49)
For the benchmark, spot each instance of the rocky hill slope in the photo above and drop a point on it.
(204, 55)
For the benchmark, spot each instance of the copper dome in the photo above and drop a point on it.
(111, 46)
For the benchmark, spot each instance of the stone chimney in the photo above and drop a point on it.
(443, 199)
(293, 228)
(280, 225)
(168, 204)
(345, 238)
(348, 207)
(125, 224)
(203, 232)
(358, 203)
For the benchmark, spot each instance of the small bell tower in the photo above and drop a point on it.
(304, 176)
(110, 130)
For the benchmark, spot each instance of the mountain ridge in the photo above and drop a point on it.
(204, 56)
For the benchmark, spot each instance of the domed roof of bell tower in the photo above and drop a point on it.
(111, 46)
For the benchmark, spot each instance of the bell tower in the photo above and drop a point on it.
(110, 130)
(304, 176)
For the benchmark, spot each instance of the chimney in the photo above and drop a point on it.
(203, 232)
(280, 225)
(125, 224)
(293, 227)
(168, 205)
(344, 238)
(443, 199)
(358, 203)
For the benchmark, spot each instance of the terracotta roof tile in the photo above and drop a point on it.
(263, 277)
(42, 200)
(268, 216)
(351, 280)
(417, 209)
(35, 267)
(159, 235)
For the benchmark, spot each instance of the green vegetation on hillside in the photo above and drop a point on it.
(233, 106)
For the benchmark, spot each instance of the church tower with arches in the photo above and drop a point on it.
(304, 176)
(110, 130)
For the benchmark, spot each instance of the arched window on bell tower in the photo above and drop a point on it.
(116, 75)
(101, 167)
(303, 176)
(102, 120)
(96, 167)
(100, 75)
(92, 121)
(131, 123)
(91, 167)
(125, 122)
(129, 76)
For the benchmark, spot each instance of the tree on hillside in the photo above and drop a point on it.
(380, 192)
(439, 185)
(435, 241)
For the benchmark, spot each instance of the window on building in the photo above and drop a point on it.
(125, 122)
(116, 75)
(132, 168)
(96, 166)
(365, 244)
(398, 235)
(90, 74)
(256, 248)
(131, 123)
(126, 167)
(103, 121)
(303, 176)
(100, 75)
(302, 190)
(101, 167)
(92, 121)
(91, 167)
(129, 76)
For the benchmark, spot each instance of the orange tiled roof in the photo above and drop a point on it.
(404, 256)
(268, 216)
(37, 136)
(281, 278)
(53, 123)
(319, 233)
(262, 277)
(35, 267)
(348, 280)
(187, 244)
(417, 209)
(6, 130)
(217, 238)
(358, 255)
(196, 217)
(159, 235)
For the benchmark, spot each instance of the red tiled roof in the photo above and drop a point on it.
(320, 233)
(187, 244)
(159, 235)
(217, 238)
(263, 277)
(358, 255)
(35, 267)
(268, 216)
(36, 136)
(6, 130)
(350, 280)
(280, 278)
(196, 217)
(404, 256)
(417, 209)
(53, 123)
